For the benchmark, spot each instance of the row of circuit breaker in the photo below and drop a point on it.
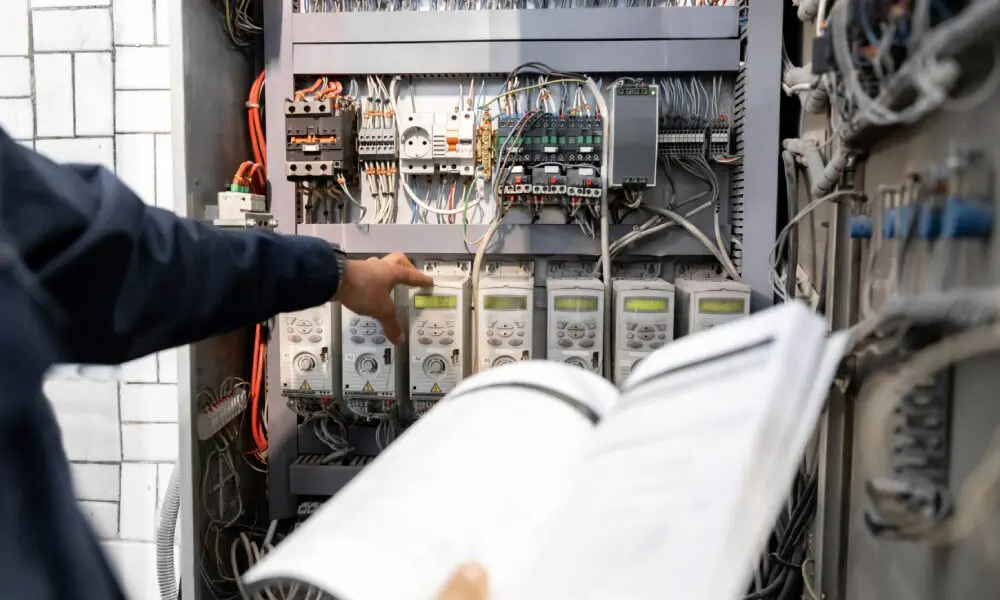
(373, 374)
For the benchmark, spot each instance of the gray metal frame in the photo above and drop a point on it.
(607, 41)
(208, 141)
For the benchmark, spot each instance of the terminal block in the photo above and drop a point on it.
(320, 138)
(377, 143)
(718, 142)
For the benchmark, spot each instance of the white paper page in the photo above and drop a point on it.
(474, 480)
(652, 515)
(795, 439)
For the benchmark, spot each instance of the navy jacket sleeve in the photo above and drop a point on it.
(131, 279)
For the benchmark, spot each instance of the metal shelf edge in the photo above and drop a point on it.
(513, 25)
(467, 57)
(513, 239)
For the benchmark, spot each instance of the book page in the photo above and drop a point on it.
(475, 479)
(674, 499)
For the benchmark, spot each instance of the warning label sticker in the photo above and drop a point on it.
(436, 389)
(368, 388)
(305, 386)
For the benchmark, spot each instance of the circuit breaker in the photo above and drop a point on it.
(370, 366)
(575, 333)
(438, 339)
(643, 321)
(505, 310)
(306, 341)
(703, 304)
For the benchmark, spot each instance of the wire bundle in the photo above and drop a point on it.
(781, 572)
(242, 23)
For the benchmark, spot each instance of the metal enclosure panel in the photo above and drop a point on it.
(281, 421)
(879, 569)
(208, 141)
(760, 159)
(499, 25)
(614, 56)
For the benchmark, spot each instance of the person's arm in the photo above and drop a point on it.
(131, 279)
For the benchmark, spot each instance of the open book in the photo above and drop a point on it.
(566, 488)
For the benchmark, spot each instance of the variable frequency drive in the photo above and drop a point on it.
(305, 342)
(505, 305)
(438, 339)
(643, 321)
(704, 304)
(575, 333)
(370, 366)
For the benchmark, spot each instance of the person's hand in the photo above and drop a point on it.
(367, 286)
(468, 583)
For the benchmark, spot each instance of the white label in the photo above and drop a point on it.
(417, 360)
(589, 172)
(586, 148)
(310, 147)
(551, 149)
(552, 169)
(349, 358)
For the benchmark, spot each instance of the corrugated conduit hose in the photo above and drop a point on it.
(165, 535)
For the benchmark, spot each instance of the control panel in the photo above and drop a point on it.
(575, 333)
(643, 321)
(505, 311)
(438, 339)
(306, 339)
(704, 304)
(371, 375)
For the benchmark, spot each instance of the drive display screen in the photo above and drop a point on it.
(575, 303)
(505, 302)
(722, 306)
(647, 305)
(432, 301)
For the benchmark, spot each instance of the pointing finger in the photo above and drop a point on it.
(398, 258)
(468, 583)
(390, 324)
(412, 277)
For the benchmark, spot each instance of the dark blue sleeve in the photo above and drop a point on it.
(131, 279)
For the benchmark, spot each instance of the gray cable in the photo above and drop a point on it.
(166, 533)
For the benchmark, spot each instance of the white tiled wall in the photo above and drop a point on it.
(88, 81)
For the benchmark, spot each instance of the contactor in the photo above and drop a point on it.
(306, 340)
(371, 373)
(576, 322)
(643, 321)
(703, 304)
(504, 315)
(438, 339)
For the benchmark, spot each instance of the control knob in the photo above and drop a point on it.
(367, 365)
(305, 362)
(503, 360)
(435, 365)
